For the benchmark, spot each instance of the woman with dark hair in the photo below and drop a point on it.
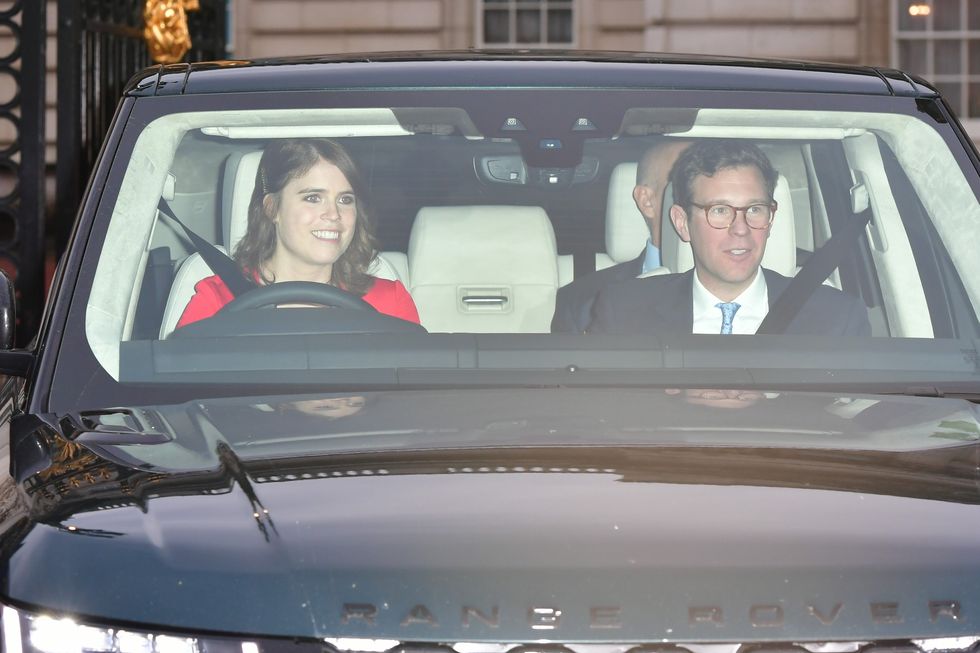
(306, 222)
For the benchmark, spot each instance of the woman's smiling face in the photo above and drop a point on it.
(315, 224)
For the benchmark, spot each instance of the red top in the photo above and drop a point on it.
(211, 294)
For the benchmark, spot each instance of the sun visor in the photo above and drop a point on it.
(354, 122)
(328, 123)
(761, 133)
(768, 124)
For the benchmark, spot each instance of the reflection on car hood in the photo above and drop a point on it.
(568, 515)
(278, 427)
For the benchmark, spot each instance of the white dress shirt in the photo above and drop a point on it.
(753, 307)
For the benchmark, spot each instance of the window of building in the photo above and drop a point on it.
(526, 23)
(939, 40)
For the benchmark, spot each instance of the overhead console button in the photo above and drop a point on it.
(508, 169)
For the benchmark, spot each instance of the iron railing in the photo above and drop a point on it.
(100, 46)
(22, 160)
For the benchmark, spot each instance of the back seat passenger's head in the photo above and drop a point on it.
(626, 228)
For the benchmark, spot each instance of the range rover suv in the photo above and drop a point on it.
(305, 380)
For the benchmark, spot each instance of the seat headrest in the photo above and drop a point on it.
(474, 244)
(626, 228)
(236, 193)
(484, 269)
(780, 253)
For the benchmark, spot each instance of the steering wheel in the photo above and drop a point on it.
(351, 314)
(297, 292)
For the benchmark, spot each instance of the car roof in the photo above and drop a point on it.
(523, 68)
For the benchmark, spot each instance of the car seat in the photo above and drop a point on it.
(626, 228)
(483, 269)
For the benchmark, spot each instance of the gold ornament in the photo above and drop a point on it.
(165, 28)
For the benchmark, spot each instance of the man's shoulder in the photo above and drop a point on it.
(649, 284)
(827, 310)
(593, 282)
(644, 305)
(829, 293)
(574, 301)
(821, 294)
(642, 291)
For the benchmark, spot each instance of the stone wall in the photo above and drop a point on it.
(844, 31)
(269, 28)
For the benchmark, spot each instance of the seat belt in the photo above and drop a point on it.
(221, 264)
(816, 269)
(583, 263)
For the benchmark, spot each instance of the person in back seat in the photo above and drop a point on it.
(306, 222)
(573, 305)
(724, 207)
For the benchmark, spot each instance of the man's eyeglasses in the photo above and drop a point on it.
(722, 216)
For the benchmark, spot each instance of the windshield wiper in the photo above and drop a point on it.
(236, 468)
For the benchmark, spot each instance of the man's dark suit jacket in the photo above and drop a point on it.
(573, 305)
(663, 305)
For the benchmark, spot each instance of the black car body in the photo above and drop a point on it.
(335, 480)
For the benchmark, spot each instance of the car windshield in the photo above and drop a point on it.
(359, 240)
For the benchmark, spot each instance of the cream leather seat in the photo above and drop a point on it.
(626, 228)
(484, 269)
(236, 194)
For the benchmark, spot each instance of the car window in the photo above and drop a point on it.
(486, 209)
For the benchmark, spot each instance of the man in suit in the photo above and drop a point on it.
(573, 304)
(724, 207)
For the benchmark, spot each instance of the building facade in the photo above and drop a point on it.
(845, 31)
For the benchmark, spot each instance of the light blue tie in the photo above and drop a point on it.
(728, 310)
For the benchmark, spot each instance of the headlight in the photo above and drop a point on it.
(24, 632)
(29, 633)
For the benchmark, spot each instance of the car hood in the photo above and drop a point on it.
(518, 516)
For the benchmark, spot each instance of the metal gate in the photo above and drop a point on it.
(22, 157)
(100, 45)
